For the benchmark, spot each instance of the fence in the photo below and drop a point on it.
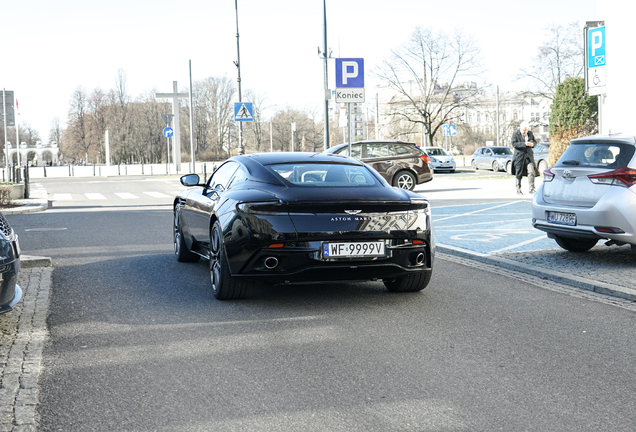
(203, 168)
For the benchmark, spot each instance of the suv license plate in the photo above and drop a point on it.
(357, 249)
(562, 218)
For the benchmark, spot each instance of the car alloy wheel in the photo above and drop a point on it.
(181, 251)
(495, 166)
(224, 286)
(405, 180)
(473, 164)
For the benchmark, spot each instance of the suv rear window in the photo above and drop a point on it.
(601, 155)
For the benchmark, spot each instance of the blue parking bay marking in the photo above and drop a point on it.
(490, 229)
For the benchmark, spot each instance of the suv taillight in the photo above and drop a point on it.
(625, 177)
(426, 158)
(548, 175)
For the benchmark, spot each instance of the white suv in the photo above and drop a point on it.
(590, 194)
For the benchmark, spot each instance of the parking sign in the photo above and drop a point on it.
(349, 73)
(596, 47)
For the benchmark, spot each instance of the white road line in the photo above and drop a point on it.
(95, 196)
(476, 211)
(126, 195)
(518, 244)
(62, 197)
(157, 194)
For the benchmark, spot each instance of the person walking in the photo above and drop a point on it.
(523, 159)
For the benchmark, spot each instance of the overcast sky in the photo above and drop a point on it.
(50, 48)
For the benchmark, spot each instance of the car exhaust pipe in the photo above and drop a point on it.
(418, 259)
(271, 263)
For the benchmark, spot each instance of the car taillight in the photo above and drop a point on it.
(625, 177)
(548, 175)
(426, 158)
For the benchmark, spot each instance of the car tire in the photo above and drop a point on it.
(495, 167)
(404, 180)
(543, 165)
(575, 245)
(509, 167)
(181, 251)
(410, 283)
(473, 164)
(224, 286)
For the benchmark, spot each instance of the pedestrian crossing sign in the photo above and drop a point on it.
(243, 111)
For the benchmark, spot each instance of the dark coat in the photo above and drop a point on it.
(523, 154)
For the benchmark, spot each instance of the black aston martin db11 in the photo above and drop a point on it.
(291, 218)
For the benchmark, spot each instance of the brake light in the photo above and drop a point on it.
(548, 175)
(625, 177)
(276, 246)
(426, 158)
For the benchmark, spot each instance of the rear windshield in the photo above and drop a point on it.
(502, 151)
(601, 155)
(325, 174)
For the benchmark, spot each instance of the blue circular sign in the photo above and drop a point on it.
(168, 132)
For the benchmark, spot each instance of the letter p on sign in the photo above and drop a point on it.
(349, 72)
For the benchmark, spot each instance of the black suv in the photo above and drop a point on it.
(402, 164)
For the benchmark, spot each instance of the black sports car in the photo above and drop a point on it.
(10, 292)
(287, 218)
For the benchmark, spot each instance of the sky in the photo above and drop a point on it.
(50, 48)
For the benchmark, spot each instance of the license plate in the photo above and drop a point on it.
(354, 249)
(562, 218)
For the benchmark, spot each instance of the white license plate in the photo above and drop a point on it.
(353, 249)
(562, 218)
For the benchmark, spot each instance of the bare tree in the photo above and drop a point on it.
(76, 144)
(431, 78)
(560, 57)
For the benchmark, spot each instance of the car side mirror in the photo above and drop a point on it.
(190, 180)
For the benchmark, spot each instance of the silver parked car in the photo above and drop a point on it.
(440, 159)
(589, 194)
(491, 157)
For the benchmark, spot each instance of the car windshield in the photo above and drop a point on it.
(501, 151)
(602, 155)
(325, 174)
(436, 151)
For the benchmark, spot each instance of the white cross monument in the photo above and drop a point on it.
(175, 95)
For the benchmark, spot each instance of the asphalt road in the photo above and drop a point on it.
(137, 342)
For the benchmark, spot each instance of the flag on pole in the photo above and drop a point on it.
(17, 107)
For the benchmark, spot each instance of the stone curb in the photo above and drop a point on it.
(30, 205)
(555, 276)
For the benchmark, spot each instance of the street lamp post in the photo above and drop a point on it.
(237, 63)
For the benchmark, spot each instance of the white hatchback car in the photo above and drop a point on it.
(440, 159)
(590, 194)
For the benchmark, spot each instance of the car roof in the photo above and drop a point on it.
(256, 162)
(339, 146)
(628, 139)
(290, 157)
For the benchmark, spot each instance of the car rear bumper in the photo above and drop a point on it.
(308, 266)
(612, 211)
(10, 291)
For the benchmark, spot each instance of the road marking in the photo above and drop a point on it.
(62, 197)
(95, 196)
(126, 195)
(476, 211)
(542, 237)
(157, 194)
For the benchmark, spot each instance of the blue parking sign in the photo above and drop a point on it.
(596, 47)
(349, 72)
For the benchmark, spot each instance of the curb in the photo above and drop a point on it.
(555, 276)
(28, 205)
(32, 261)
